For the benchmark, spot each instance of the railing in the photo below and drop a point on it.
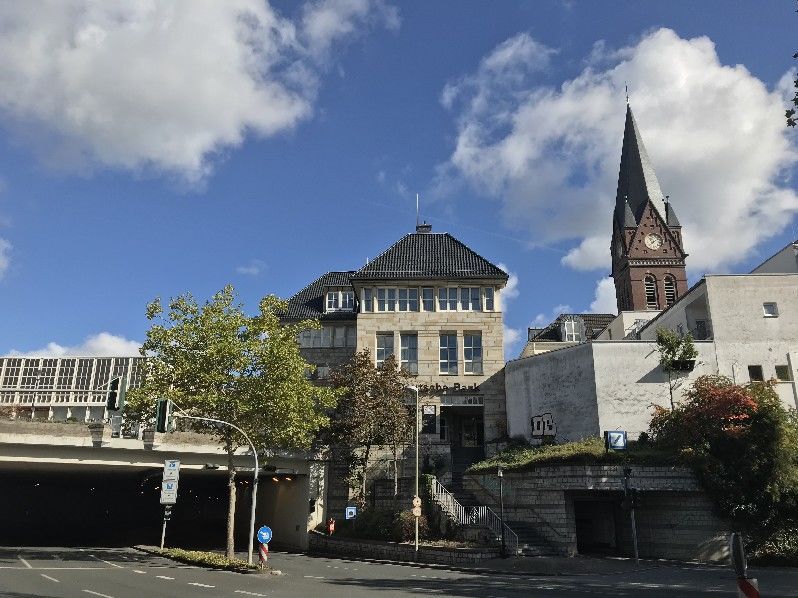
(482, 516)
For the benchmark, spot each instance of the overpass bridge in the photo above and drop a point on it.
(63, 488)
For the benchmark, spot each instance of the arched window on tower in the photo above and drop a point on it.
(652, 301)
(670, 290)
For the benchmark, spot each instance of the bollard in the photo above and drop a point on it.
(264, 554)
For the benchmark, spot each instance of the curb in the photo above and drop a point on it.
(155, 552)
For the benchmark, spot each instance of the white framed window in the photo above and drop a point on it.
(472, 353)
(384, 346)
(409, 352)
(770, 309)
(448, 353)
(447, 299)
(428, 298)
(386, 299)
(368, 300)
(572, 331)
(408, 299)
(489, 302)
(470, 299)
(332, 300)
(340, 299)
(348, 300)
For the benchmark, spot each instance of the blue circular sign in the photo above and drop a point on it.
(265, 535)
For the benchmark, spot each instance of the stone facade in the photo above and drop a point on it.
(577, 509)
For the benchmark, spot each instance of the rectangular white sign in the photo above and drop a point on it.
(171, 470)
(168, 492)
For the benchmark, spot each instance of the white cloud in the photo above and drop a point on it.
(254, 268)
(167, 85)
(604, 301)
(103, 344)
(510, 292)
(5, 259)
(543, 319)
(715, 134)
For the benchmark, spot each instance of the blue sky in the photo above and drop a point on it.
(152, 151)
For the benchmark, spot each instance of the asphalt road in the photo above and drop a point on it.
(126, 573)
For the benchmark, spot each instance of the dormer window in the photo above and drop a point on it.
(572, 332)
(340, 300)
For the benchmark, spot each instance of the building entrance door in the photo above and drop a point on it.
(470, 432)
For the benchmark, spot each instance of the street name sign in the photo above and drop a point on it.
(265, 534)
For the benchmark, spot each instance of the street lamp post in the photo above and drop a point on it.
(415, 389)
(254, 477)
(500, 475)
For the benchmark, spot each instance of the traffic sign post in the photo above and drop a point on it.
(264, 537)
(264, 554)
(170, 477)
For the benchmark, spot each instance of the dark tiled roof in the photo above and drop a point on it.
(594, 324)
(309, 302)
(424, 256)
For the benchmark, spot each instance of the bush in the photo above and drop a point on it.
(385, 525)
(404, 527)
(743, 445)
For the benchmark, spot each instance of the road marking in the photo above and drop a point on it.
(314, 576)
(248, 593)
(137, 571)
(201, 585)
(98, 594)
(106, 562)
(50, 578)
(164, 577)
(24, 562)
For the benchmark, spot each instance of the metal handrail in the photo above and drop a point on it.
(480, 516)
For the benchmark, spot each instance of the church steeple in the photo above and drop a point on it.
(647, 253)
(637, 181)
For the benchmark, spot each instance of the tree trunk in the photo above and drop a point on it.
(395, 472)
(231, 507)
(365, 468)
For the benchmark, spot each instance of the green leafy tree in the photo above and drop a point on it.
(215, 361)
(743, 445)
(370, 413)
(673, 348)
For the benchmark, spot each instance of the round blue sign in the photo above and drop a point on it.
(265, 535)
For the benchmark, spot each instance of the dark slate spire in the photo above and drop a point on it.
(637, 181)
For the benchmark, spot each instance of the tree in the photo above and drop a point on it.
(371, 412)
(214, 361)
(743, 445)
(675, 350)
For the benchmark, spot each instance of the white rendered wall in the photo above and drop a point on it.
(558, 382)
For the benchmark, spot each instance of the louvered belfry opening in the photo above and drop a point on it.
(652, 301)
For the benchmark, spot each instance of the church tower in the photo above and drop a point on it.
(647, 252)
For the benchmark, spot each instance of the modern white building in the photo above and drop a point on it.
(63, 388)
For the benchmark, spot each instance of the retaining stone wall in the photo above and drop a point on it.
(675, 519)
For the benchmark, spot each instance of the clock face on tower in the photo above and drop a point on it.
(653, 241)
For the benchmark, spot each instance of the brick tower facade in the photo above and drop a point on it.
(647, 252)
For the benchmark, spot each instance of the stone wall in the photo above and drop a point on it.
(675, 519)
(391, 551)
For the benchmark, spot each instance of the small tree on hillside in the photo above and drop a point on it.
(675, 350)
(214, 361)
(744, 446)
(371, 412)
